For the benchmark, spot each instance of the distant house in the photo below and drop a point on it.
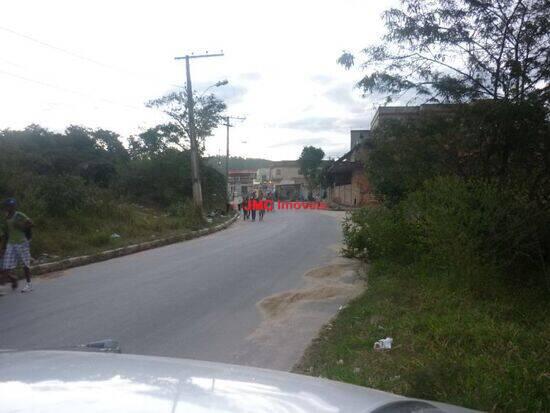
(287, 182)
(385, 113)
(241, 182)
(348, 182)
(281, 177)
(261, 180)
(358, 136)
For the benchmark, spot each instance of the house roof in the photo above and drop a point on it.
(345, 167)
(242, 171)
(275, 164)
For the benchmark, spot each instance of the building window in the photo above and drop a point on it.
(277, 172)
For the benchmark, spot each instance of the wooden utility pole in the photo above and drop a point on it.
(195, 174)
(228, 125)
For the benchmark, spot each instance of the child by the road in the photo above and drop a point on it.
(16, 242)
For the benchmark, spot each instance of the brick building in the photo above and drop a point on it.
(348, 183)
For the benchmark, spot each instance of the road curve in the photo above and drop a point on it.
(196, 299)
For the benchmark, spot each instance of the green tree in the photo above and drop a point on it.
(208, 111)
(109, 142)
(459, 50)
(310, 165)
(495, 140)
(154, 141)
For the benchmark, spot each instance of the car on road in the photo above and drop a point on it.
(85, 382)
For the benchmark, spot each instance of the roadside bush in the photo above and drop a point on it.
(473, 230)
(214, 189)
(378, 232)
(58, 196)
(480, 226)
(99, 238)
(188, 213)
(453, 220)
(158, 181)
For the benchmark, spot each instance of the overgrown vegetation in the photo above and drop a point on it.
(459, 248)
(85, 191)
(459, 245)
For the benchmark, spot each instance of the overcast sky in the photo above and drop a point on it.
(280, 60)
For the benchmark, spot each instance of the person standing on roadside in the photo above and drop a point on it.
(16, 242)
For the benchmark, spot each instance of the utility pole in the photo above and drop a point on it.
(228, 125)
(195, 175)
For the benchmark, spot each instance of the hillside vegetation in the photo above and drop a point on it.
(86, 191)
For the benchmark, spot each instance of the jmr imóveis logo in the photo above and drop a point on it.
(269, 205)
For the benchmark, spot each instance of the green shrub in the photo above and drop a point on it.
(450, 217)
(378, 232)
(479, 227)
(472, 230)
(99, 238)
(188, 213)
(58, 196)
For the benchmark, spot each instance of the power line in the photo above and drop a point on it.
(79, 56)
(229, 125)
(59, 49)
(9, 62)
(64, 89)
(89, 60)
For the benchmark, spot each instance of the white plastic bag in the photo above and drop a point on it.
(383, 344)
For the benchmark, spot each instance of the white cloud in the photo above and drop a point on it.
(280, 60)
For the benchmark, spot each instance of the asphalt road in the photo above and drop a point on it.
(196, 299)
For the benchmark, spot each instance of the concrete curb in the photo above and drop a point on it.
(339, 207)
(130, 249)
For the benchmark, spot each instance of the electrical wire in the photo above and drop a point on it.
(81, 57)
(67, 90)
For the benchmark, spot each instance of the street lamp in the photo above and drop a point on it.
(217, 84)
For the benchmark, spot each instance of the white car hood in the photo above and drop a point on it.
(80, 382)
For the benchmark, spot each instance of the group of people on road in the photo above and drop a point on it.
(250, 213)
(15, 238)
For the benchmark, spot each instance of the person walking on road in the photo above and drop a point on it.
(16, 243)
(261, 212)
(5, 274)
(253, 212)
(246, 212)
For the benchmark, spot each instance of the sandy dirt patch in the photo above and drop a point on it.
(291, 319)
